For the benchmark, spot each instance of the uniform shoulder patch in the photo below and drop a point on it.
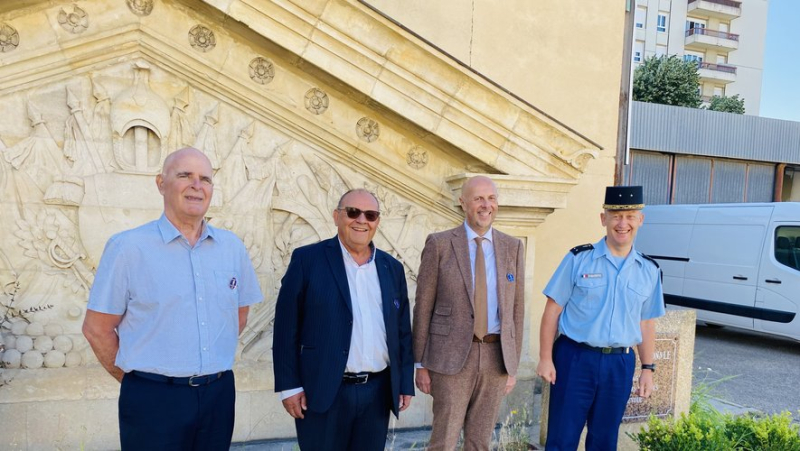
(583, 247)
(647, 257)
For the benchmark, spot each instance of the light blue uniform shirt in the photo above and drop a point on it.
(179, 304)
(603, 304)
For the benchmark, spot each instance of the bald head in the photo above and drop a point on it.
(178, 154)
(186, 184)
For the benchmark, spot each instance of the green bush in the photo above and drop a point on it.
(711, 432)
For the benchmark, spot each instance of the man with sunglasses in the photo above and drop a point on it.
(342, 340)
(468, 320)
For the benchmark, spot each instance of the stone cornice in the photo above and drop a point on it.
(381, 61)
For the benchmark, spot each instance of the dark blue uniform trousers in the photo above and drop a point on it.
(358, 420)
(591, 389)
(157, 415)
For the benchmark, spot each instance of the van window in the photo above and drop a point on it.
(787, 246)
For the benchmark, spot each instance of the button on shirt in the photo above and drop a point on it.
(603, 301)
(493, 314)
(179, 303)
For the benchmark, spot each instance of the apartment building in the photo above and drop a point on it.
(725, 37)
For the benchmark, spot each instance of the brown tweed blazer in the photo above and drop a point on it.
(444, 314)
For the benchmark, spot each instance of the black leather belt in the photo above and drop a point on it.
(489, 338)
(192, 381)
(602, 350)
(361, 378)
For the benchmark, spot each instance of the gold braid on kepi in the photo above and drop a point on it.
(624, 198)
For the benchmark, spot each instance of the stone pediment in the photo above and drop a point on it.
(293, 102)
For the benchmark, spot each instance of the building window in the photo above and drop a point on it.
(641, 16)
(694, 23)
(661, 26)
(637, 57)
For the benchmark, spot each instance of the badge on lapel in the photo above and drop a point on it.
(510, 277)
(232, 284)
(396, 303)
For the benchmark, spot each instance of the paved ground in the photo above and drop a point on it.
(749, 369)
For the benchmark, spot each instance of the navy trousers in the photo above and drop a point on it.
(156, 415)
(358, 420)
(591, 389)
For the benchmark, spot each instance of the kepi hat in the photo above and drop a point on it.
(624, 198)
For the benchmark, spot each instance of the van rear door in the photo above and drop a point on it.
(778, 292)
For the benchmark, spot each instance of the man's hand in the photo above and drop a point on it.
(510, 383)
(645, 384)
(547, 370)
(423, 380)
(295, 405)
(405, 401)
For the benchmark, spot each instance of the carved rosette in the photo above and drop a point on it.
(140, 7)
(316, 101)
(76, 21)
(417, 157)
(9, 38)
(202, 38)
(368, 129)
(262, 70)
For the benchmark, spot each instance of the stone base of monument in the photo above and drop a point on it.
(674, 357)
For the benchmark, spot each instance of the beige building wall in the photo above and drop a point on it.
(562, 56)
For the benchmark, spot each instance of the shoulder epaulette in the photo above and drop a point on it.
(647, 257)
(583, 247)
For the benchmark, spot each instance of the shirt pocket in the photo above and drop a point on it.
(590, 290)
(637, 293)
(226, 284)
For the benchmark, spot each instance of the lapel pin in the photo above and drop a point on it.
(510, 277)
(232, 284)
(397, 304)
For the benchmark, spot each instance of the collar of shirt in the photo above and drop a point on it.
(169, 232)
(349, 258)
(602, 250)
(471, 235)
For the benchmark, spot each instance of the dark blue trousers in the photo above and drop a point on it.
(358, 420)
(591, 389)
(157, 415)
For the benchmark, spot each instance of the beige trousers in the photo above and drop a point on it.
(469, 399)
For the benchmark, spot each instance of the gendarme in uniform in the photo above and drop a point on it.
(602, 296)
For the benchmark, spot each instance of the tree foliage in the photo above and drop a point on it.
(731, 104)
(668, 80)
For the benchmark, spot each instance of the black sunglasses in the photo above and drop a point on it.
(354, 213)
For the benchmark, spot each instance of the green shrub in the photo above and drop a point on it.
(711, 432)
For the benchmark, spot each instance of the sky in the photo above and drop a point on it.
(780, 87)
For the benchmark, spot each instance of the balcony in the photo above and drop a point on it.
(719, 73)
(705, 39)
(721, 9)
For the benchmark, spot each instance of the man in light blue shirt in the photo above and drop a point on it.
(602, 300)
(165, 311)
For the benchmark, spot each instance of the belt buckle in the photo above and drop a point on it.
(359, 381)
(606, 350)
(192, 382)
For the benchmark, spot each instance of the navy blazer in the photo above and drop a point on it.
(314, 321)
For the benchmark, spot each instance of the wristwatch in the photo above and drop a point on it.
(649, 366)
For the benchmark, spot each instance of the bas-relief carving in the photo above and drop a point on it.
(202, 38)
(140, 7)
(67, 193)
(9, 38)
(74, 19)
(261, 70)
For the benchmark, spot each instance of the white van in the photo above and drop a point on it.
(736, 264)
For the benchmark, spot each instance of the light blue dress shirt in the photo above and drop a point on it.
(492, 312)
(603, 303)
(179, 303)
